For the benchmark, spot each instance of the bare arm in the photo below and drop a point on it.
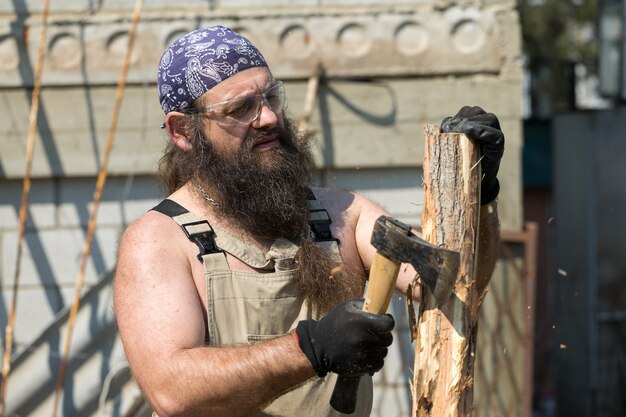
(160, 318)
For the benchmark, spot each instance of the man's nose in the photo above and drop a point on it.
(267, 117)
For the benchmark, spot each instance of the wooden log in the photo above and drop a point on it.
(446, 335)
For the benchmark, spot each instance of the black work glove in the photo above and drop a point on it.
(485, 128)
(347, 341)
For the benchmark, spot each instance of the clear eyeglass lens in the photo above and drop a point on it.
(248, 108)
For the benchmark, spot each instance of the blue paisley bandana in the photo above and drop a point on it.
(198, 61)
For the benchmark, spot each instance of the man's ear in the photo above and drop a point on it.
(177, 128)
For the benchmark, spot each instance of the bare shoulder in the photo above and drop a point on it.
(339, 203)
(149, 246)
(348, 204)
(354, 209)
(353, 217)
(147, 235)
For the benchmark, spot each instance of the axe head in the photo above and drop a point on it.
(437, 267)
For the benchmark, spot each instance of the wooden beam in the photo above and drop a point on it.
(446, 335)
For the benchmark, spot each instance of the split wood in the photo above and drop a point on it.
(443, 382)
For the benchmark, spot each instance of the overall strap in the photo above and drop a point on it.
(319, 221)
(319, 229)
(198, 230)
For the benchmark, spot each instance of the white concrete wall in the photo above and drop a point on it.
(423, 59)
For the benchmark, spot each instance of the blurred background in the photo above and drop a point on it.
(80, 141)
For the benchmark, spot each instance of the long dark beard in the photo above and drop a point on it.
(324, 283)
(264, 193)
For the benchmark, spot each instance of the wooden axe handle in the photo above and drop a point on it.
(382, 281)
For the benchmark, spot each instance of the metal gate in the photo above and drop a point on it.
(504, 362)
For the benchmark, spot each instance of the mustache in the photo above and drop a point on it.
(259, 134)
(282, 133)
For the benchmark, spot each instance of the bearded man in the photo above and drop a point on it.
(238, 295)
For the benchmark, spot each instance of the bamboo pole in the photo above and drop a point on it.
(91, 225)
(23, 214)
(309, 100)
(446, 335)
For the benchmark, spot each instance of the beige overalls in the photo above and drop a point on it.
(244, 307)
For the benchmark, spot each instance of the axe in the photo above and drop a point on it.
(395, 244)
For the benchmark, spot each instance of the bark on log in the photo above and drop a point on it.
(446, 335)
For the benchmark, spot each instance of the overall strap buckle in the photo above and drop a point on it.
(319, 223)
(201, 233)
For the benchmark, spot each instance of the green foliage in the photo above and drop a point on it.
(557, 34)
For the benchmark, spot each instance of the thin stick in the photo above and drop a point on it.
(91, 226)
(30, 150)
(309, 100)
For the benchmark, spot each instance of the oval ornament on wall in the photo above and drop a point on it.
(468, 36)
(411, 38)
(353, 40)
(296, 42)
(117, 46)
(9, 56)
(64, 51)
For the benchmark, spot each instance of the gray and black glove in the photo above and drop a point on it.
(485, 128)
(347, 341)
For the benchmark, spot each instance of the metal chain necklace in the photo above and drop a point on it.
(206, 196)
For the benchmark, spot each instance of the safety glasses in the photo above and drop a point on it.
(247, 109)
